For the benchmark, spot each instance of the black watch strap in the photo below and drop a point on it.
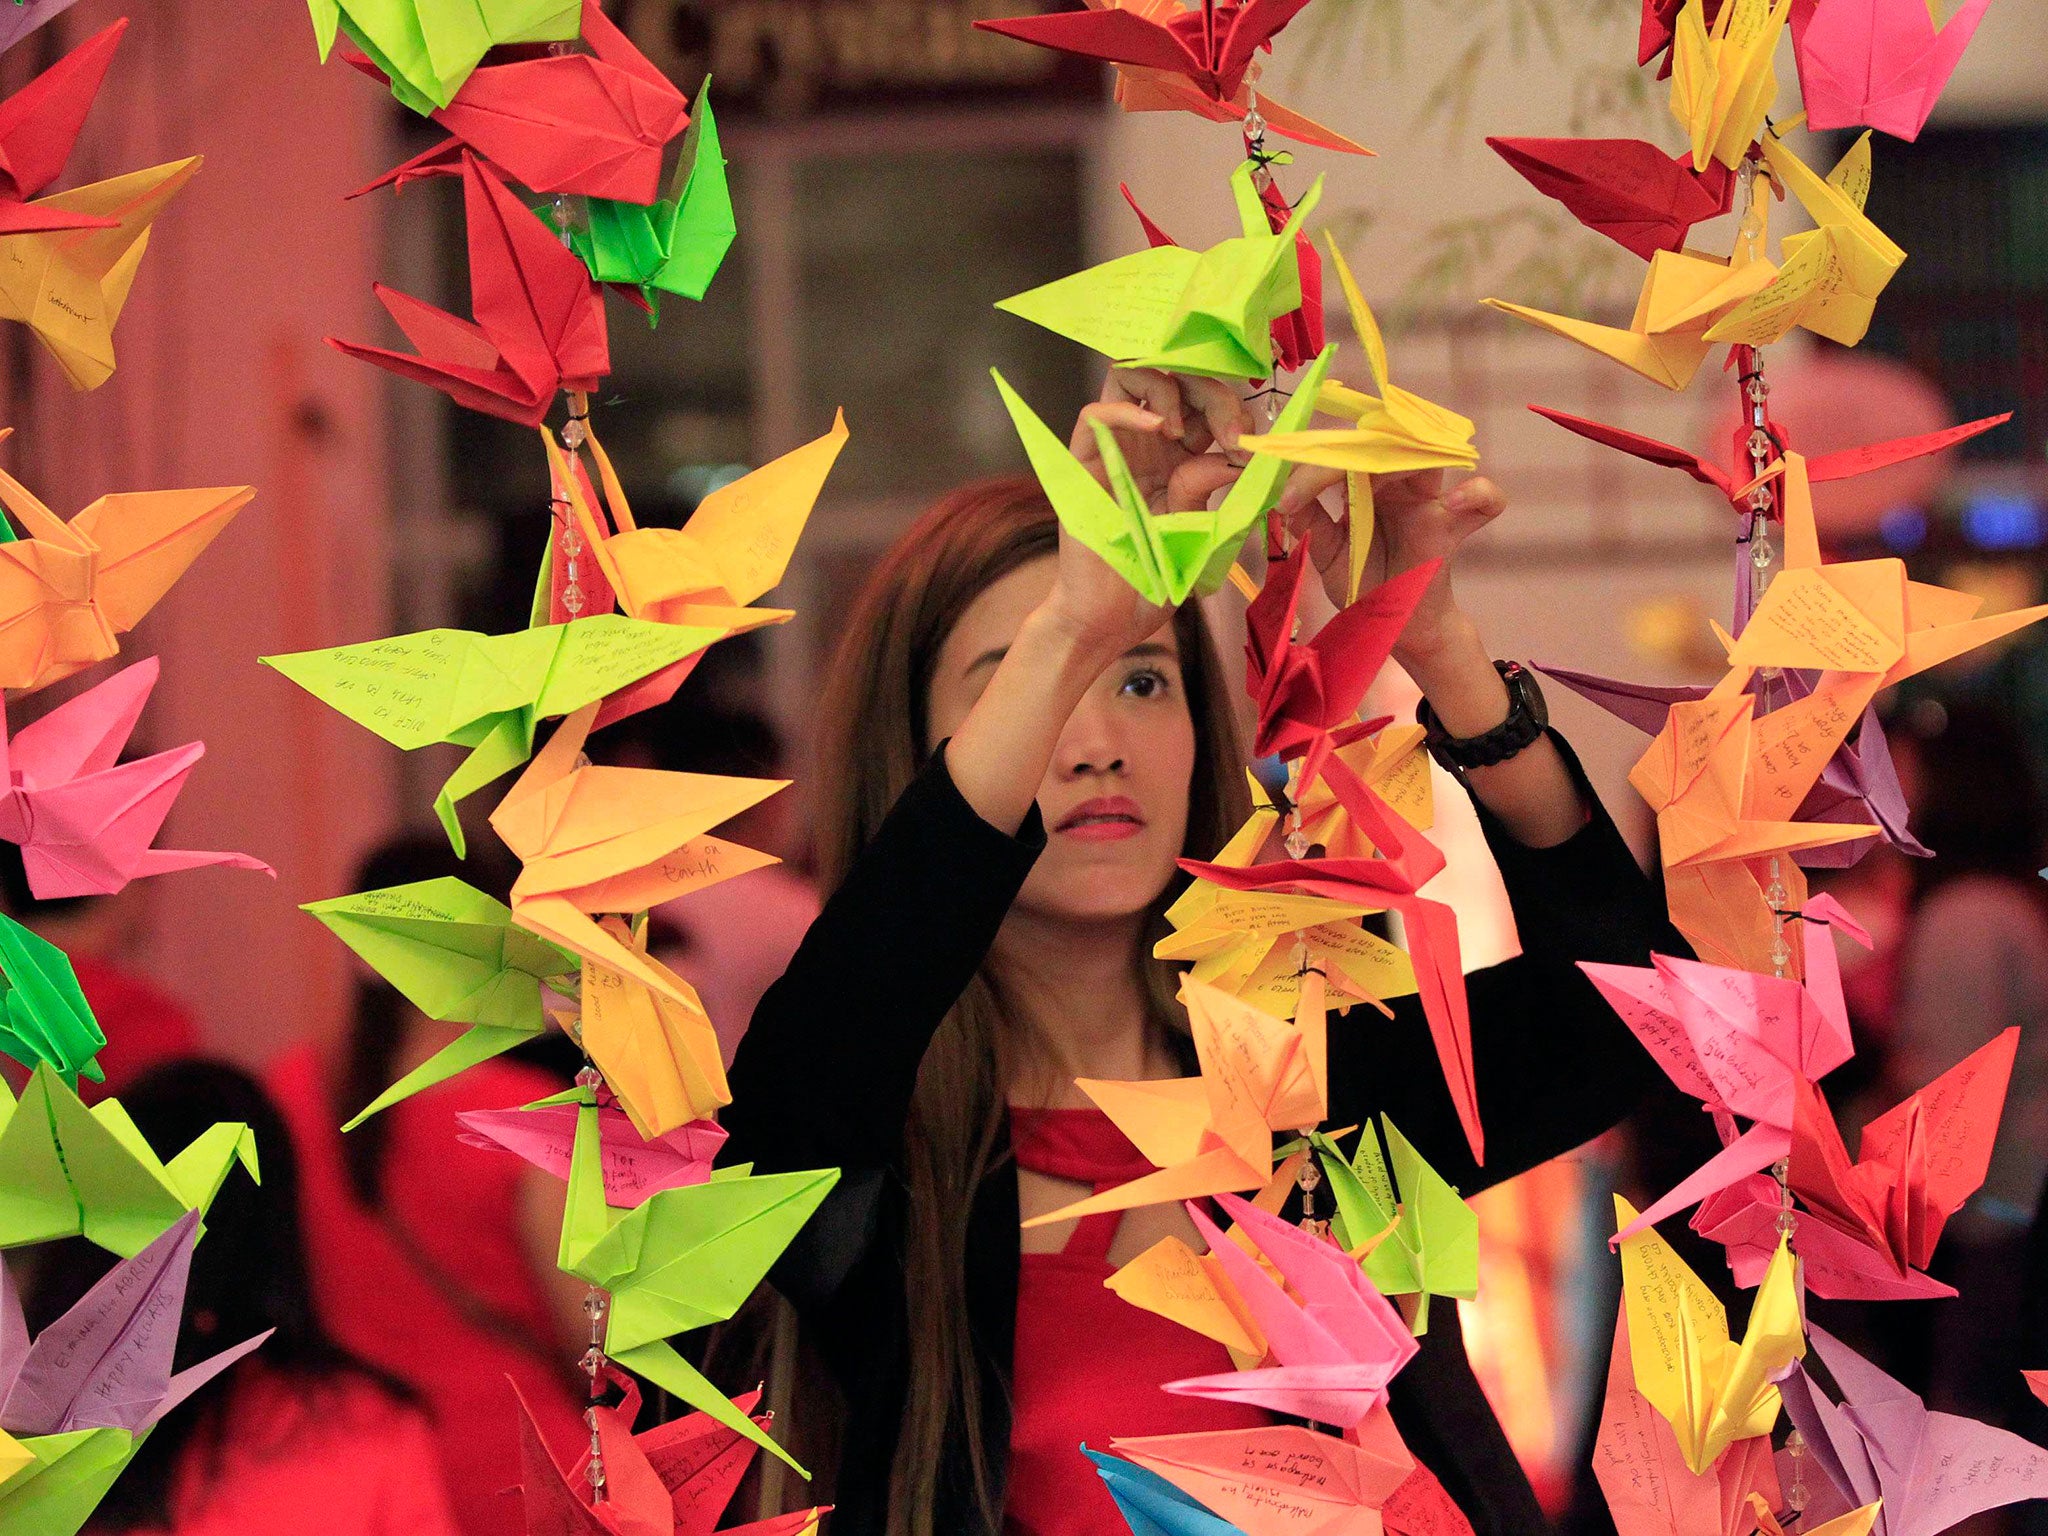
(1528, 718)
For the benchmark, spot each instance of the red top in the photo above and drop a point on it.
(437, 1290)
(144, 1026)
(340, 1458)
(1089, 1365)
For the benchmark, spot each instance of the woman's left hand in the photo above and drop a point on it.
(1415, 519)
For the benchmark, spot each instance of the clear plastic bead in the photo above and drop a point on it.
(574, 434)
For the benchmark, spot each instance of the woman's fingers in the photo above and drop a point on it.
(1221, 409)
(1155, 391)
(1118, 416)
(1478, 501)
(1194, 481)
(1305, 486)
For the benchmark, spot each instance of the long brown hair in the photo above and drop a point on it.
(871, 744)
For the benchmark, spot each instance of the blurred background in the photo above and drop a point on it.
(894, 174)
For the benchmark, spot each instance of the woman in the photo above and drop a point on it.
(432, 1258)
(1016, 750)
(300, 1436)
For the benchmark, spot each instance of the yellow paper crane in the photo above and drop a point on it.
(1683, 295)
(608, 840)
(1214, 1133)
(658, 1053)
(1831, 276)
(70, 589)
(735, 546)
(1709, 1389)
(1722, 78)
(69, 286)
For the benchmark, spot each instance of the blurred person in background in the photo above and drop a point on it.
(144, 1024)
(301, 1436)
(431, 1258)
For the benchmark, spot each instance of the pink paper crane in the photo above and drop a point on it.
(1743, 1219)
(1407, 862)
(1876, 63)
(1335, 1348)
(635, 1167)
(84, 819)
(1738, 1041)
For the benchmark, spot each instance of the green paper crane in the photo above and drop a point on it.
(44, 1017)
(454, 953)
(57, 1491)
(1204, 312)
(487, 692)
(682, 1259)
(1164, 555)
(69, 1171)
(677, 244)
(429, 47)
(1433, 1247)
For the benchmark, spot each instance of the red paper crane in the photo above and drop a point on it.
(1407, 861)
(38, 125)
(1631, 192)
(591, 123)
(1306, 688)
(1298, 334)
(539, 323)
(1211, 45)
(1660, 26)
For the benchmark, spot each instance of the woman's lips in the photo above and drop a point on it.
(1105, 820)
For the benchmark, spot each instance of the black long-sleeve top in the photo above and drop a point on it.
(825, 1074)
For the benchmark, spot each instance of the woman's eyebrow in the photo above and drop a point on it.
(994, 654)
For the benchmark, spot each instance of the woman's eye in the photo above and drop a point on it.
(1150, 683)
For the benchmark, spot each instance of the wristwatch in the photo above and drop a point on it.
(1528, 718)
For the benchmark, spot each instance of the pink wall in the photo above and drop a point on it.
(223, 379)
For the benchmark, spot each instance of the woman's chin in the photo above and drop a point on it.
(1096, 897)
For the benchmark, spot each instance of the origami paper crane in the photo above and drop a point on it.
(659, 1053)
(588, 123)
(1857, 1522)
(64, 1479)
(1418, 1237)
(1335, 1341)
(1740, 1042)
(1722, 79)
(1921, 1159)
(1877, 62)
(1165, 556)
(1254, 1478)
(456, 955)
(69, 589)
(1743, 1219)
(1658, 29)
(1298, 334)
(1830, 278)
(679, 1260)
(490, 692)
(1407, 860)
(106, 1363)
(1152, 1506)
(66, 1171)
(634, 1167)
(1880, 1441)
(671, 1480)
(1200, 312)
(84, 819)
(1650, 1490)
(1711, 1391)
(678, 244)
(1632, 192)
(1213, 1133)
(1393, 431)
(70, 285)
(429, 47)
(733, 549)
(600, 839)
(1684, 293)
(539, 324)
(2037, 1383)
(25, 16)
(44, 1017)
(38, 126)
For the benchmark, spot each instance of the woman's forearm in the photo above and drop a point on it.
(1532, 792)
(999, 754)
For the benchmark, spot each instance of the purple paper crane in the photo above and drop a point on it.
(21, 17)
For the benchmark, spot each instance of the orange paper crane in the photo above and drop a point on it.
(601, 840)
(70, 589)
(658, 1052)
(1213, 1134)
(1724, 781)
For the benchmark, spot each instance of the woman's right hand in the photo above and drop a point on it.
(1178, 435)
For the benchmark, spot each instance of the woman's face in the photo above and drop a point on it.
(1115, 797)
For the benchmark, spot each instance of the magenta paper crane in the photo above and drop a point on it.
(1876, 63)
(1743, 1219)
(1738, 1041)
(84, 819)
(634, 1166)
(1335, 1349)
